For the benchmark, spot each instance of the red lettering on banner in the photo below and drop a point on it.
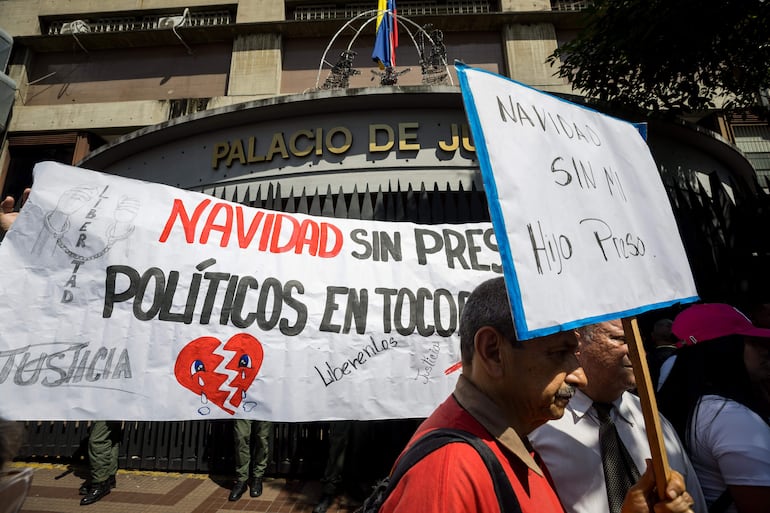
(177, 210)
(294, 235)
(224, 229)
(275, 232)
(266, 230)
(244, 239)
(309, 234)
(325, 228)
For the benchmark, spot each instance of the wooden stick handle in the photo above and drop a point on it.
(646, 392)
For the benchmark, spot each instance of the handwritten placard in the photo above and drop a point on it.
(584, 226)
(137, 301)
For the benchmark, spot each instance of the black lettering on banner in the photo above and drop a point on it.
(474, 249)
(403, 296)
(245, 284)
(331, 307)
(92, 374)
(269, 301)
(516, 112)
(80, 369)
(437, 298)
(299, 307)
(356, 309)
(122, 367)
(386, 294)
(423, 329)
(614, 184)
(454, 242)
(428, 312)
(382, 247)
(491, 242)
(404, 310)
(29, 369)
(155, 275)
(424, 246)
(624, 246)
(62, 374)
(358, 236)
(213, 279)
(445, 327)
(582, 172)
(331, 373)
(59, 364)
(428, 362)
(110, 295)
(549, 249)
(460, 249)
(186, 316)
(152, 295)
(226, 311)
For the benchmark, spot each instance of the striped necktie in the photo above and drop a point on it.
(620, 473)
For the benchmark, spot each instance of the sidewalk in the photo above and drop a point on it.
(55, 490)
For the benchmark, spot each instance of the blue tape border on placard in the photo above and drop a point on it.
(498, 221)
(642, 129)
(495, 212)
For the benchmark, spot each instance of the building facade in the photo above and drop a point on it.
(88, 72)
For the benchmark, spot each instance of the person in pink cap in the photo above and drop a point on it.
(714, 398)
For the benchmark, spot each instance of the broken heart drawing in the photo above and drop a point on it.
(219, 373)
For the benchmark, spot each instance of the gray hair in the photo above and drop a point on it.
(488, 305)
(587, 332)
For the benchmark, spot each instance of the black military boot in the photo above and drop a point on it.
(255, 487)
(238, 488)
(83, 490)
(96, 492)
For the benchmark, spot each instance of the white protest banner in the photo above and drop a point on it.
(137, 301)
(584, 226)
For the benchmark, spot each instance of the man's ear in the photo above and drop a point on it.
(488, 350)
(580, 339)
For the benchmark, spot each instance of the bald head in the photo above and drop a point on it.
(605, 360)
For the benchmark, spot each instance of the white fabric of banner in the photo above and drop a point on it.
(137, 301)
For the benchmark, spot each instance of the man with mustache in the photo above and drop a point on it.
(507, 389)
(571, 446)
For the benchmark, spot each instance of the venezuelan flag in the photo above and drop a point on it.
(386, 40)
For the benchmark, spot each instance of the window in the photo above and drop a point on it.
(754, 142)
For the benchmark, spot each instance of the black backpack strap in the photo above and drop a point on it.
(438, 438)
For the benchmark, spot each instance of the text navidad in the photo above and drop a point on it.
(580, 175)
(276, 303)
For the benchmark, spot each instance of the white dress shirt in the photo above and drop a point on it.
(570, 448)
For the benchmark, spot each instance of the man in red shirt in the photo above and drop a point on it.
(507, 389)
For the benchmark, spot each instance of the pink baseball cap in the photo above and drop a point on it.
(708, 321)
